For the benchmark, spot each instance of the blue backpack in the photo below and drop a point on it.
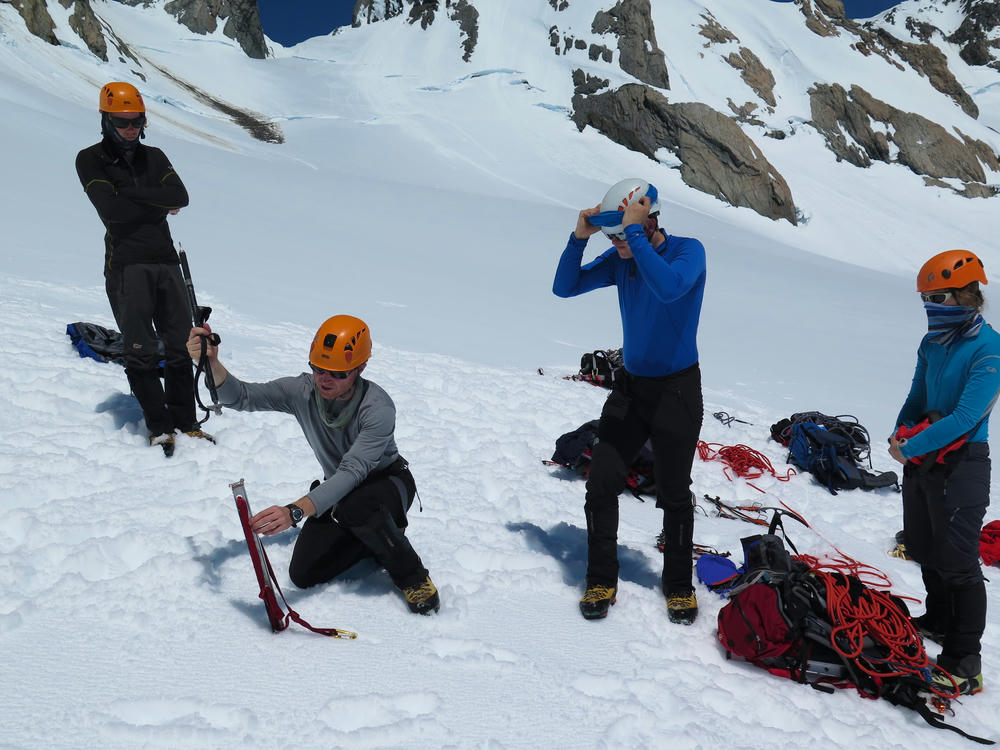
(830, 457)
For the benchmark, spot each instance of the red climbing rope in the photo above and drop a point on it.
(859, 614)
(743, 460)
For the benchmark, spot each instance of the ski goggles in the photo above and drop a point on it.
(335, 374)
(937, 298)
(128, 122)
(608, 219)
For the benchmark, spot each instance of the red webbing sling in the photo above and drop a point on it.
(277, 616)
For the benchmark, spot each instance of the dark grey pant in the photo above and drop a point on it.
(150, 302)
(666, 411)
(943, 511)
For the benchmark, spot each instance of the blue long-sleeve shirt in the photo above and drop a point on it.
(659, 293)
(960, 381)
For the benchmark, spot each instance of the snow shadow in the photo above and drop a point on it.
(123, 407)
(568, 545)
(213, 560)
(363, 578)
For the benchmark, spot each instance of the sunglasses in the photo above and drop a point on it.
(616, 236)
(335, 374)
(128, 122)
(938, 298)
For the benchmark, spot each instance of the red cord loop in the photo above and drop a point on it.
(744, 461)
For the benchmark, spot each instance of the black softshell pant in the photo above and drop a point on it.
(367, 522)
(943, 511)
(150, 302)
(666, 411)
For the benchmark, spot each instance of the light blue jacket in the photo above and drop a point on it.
(961, 382)
(659, 294)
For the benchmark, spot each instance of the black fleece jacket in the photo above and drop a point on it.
(132, 197)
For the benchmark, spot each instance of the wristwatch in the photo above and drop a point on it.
(296, 512)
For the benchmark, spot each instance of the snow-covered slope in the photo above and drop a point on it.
(432, 198)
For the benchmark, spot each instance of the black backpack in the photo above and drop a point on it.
(603, 367)
(574, 449)
(102, 344)
(831, 449)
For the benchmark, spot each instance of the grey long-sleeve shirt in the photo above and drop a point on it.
(364, 445)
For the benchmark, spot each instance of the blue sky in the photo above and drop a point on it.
(288, 22)
(864, 8)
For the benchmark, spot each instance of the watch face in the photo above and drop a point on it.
(297, 513)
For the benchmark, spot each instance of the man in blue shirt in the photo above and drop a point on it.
(661, 281)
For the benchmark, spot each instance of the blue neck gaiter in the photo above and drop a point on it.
(946, 323)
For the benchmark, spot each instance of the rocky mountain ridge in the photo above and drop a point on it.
(621, 82)
(242, 22)
(716, 151)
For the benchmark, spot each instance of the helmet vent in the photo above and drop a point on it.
(329, 340)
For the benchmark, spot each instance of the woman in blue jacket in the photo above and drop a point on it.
(941, 439)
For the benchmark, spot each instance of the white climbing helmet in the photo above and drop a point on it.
(625, 193)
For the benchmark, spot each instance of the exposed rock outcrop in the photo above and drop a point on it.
(754, 74)
(37, 19)
(467, 17)
(462, 12)
(832, 8)
(631, 21)
(423, 11)
(258, 125)
(714, 31)
(585, 84)
(87, 27)
(931, 62)
(981, 22)
(844, 118)
(599, 51)
(745, 113)
(982, 151)
(818, 23)
(715, 155)
(371, 11)
(242, 21)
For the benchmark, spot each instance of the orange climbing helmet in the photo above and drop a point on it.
(120, 97)
(342, 343)
(951, 269)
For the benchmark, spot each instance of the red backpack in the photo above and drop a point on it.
(751, 626)
(989, 543)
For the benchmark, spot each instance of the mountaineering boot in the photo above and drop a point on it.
(197, 432)
(393, 550)
(682, 607)
(928, 628)
(423, 597)
(967, 672)
(597, 600)
(678, 535)
(900, 549)
(165, 441)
